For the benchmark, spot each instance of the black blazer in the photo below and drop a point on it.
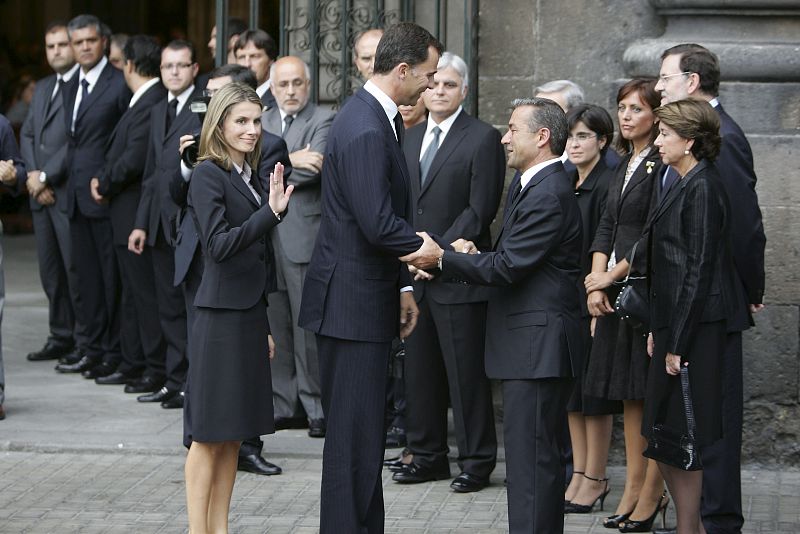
(352, 285)
(43, 140)
(690, 270)
(121, 179)
(735, 165)
(626, 214)
(156, 207)
(533, 323)
(234, 236)
(460, 196)
(97, 119)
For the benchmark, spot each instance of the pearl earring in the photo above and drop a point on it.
(686, 152)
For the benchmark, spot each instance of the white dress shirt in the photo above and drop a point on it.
(261, 89)
(142, 90)
(67, 76)
(444, 126)
(246, 173)
(388, 105)
(527, 175)
(182, 98)
(91, 77)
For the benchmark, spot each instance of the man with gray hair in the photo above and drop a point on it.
(457, 169)
(533, 319)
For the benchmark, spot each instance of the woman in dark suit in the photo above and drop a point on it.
(591, 131)
(229, 393)
(692, 292)
(618, 361)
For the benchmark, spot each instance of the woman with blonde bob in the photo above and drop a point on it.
(229, 372)
(692, 297)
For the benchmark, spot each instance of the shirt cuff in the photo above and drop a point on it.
(186, 172)
(405, 289)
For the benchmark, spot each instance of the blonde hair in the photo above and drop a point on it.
(212, 143)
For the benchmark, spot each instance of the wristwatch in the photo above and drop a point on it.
(42, 177)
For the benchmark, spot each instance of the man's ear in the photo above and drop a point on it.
(694, 83)
(402, 70)
(544, 137)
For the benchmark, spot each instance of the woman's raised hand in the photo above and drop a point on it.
(278, 193)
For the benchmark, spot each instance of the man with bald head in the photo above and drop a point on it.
(364, 48)
(304, 127)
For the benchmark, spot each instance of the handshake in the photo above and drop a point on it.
(429, 255)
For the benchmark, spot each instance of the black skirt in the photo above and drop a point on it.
(229, 385)
(664, 401)
(579, 401)
(617, 365)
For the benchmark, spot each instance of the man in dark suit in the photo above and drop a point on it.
(156, 219)
(304, 127)
(257, 50)
(119, 185)
(692, 71)
(43, 144)
(188, 258)
(457, 169)
(94, 101)
(533, 317)
(352, 296)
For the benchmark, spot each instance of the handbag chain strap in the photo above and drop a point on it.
(687, 401)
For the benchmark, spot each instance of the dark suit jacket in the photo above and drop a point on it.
(273, 150)
(98, 117)
(301, 223)
(735, 165)
(10, 150)
(533, 324)
(234, 236)
(268, 99)
(43, 140)
(690, 269)
(460, 196)
(121, 179)
(351, 290)
(157, 211)
(626, 215)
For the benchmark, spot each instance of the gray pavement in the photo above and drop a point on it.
(77, 457)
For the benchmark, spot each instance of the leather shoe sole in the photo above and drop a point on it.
(467, 483)
(416, 474)
(253, 463)
(174, 403)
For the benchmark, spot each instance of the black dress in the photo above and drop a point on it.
(591, 197)
(693, 297)
(617, 365)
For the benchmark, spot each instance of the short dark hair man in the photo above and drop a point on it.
(94, 101)
(43, 144)
(692, 71)
(352, 296)
(256, 50)
(119, 185)
(533, 319)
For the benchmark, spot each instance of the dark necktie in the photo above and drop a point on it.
(59, 90)
(84, 98)
(430, 153)
(172, 112)
(287, 121)
(669, 178)
(399, 128)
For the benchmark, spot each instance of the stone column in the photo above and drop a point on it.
(758, 44)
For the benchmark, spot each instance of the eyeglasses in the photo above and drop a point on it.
(581, 137)
(176, 66)
(666, 77)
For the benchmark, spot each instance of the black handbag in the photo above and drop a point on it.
(631, 305)
(669, 447)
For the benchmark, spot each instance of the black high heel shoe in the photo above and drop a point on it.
(647, 524)
(614, 521)
(575, 508)
(566, 502)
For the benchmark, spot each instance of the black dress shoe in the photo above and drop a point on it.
(163, 394)
(285, 423)
(80, 366)
(316, 428)
(145, 384)
(173, 403)
(72, 357)
(415, 473)
(395, 437)
(467, 483)
(397, 463)
(100, 370)
(253, 463)
(117, 378)
(50, 351)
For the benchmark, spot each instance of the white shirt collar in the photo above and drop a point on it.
(714, 102)
(261, 89)
(444, 126)
(93, 74)
(284, 114)
(530, 173)
(182, 98)
(245, 171)
(67, 76)
(388, 105)
(142, 90)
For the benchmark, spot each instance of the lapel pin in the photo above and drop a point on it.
(650, 165)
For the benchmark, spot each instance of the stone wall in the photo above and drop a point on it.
(598, 44)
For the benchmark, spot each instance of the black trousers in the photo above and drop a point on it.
(534, 412)
(171, 313)
(353, 379)
(721, 505)
(98, 284)
(445, 354)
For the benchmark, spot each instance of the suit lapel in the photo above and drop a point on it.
(180, 120)
(239, 185)
(640, 175)
(453, 138)
(51, 106)
(293, 136)
(96, 92)
(272, 121)
(675, 191)
(397, 152)
(70, 92)
(535, 180)
(414, 137)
